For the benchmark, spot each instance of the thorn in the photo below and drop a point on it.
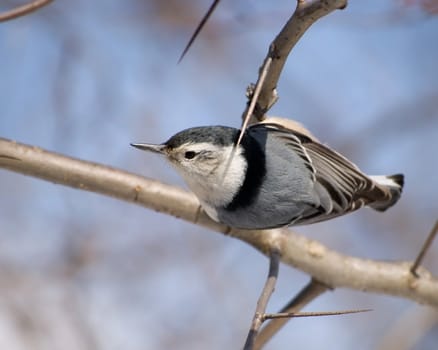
(199, 28)
(313, 314)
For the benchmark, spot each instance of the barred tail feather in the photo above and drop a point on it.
(392, 185)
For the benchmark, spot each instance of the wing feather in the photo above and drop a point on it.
(349, 189)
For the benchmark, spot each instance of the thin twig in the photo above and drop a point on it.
(247, 115)
(310, 292)
(424, 249)
(23, 10)
(199, 28)
(267, 291)
(254, 97)
(313, 314)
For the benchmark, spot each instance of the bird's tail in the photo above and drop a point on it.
(392, 186)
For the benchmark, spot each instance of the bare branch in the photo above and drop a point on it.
(268, 289)
(306, 13)
(305, 254)
(23, 10)
(424, 249)
(310, 292)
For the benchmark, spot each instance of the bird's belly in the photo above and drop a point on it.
(282, 212)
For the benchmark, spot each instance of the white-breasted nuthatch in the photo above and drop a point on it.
(277, 176)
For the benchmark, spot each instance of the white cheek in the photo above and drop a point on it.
(215, 183)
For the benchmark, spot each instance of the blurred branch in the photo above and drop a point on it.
(199, 28)
(408, 329)
(306, 13)
(23, 10)
(325, 265)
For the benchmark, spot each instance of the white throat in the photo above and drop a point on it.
(220, 180)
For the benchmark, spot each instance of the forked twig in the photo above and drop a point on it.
(306, 13)
(310, 292)
(23, 10)
(267, 291)
(424, 249)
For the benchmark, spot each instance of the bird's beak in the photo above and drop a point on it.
(150, 147)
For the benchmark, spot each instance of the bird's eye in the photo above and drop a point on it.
(189, 155)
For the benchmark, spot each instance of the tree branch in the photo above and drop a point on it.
(325, 265)
(306, 13)
(23, 10)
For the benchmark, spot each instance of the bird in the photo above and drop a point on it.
(279, 175)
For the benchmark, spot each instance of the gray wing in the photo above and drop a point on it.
(339, 183)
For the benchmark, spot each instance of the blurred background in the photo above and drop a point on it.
(86, 78)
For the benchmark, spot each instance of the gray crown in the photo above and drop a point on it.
(217, 135)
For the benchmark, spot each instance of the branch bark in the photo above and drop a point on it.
(325, 265)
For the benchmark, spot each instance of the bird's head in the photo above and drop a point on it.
(206, 159)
